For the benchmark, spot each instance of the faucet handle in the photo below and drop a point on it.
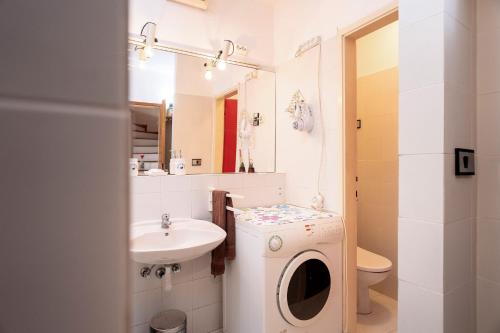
(165, 216)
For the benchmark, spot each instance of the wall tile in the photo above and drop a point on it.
(488, 294)
(144, 184)
(207, 319)
(459, 118)
(459, 51)
(459, 310)
(259, 180)
(208, 291)
(69, 71)
(178, 204)
(458, 252)
(410, 12)
(230, 181)
(202, 267)
(460, 193)
(488, 249)
(203, 182)
(488, 12)
(488, 122)
(463, 11)
(181, 297)
(421, 48)
(145, 305)
(200, 205)
(419, 310)
(488, 60)
(422, 120)
(488, 186)
(421, 187)
(146, 206)
(175, 183)
(418, 264)
(186, 273)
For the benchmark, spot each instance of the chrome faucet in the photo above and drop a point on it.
(165, 221)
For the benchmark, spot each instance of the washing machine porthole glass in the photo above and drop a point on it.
(305, 288)
(308, 289)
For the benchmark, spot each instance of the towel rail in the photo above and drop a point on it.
(229, 195)
(234, 210)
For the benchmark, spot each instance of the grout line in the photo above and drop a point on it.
(438, 293)
(20, 105)
(496, 283)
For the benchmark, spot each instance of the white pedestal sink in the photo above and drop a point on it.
(186, 239)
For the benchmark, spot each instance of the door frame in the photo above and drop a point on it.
(347, 45)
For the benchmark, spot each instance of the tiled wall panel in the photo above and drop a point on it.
(194, 290)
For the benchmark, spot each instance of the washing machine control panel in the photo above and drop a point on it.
(298, 238)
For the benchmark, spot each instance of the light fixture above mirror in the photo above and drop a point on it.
(148, 33)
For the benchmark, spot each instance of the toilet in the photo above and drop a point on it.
(372, 269)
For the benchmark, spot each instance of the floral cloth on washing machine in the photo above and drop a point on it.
(280, 214)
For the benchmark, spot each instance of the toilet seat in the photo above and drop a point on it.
(371, 262)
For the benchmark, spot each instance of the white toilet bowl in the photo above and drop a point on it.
(372, 269)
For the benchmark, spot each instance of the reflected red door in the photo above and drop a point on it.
(230, 126)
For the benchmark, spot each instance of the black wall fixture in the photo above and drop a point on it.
(464, 162)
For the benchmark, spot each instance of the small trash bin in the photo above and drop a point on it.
(170, 321)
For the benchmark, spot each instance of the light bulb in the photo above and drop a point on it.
(142, 57)
(208, 74)
(148, 51)
(221, 65)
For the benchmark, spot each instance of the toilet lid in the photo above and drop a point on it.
(371, 262)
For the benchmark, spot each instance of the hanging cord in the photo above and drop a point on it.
(320, 169)
(321, 120)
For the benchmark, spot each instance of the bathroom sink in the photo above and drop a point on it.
(186, 239)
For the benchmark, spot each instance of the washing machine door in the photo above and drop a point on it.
(304, 288)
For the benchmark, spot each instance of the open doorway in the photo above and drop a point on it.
(370, 75)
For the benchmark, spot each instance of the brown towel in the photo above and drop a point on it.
(224, 219)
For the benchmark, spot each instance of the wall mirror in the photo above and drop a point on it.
(216, 119)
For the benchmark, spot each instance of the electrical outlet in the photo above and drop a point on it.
(252, 75)
(240, 50)
(196, 162)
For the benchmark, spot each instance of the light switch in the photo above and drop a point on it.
(464, 162)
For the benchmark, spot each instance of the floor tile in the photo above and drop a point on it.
(383, 318)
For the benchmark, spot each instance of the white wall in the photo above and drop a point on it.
(437, 114)
(246, 22)
(488, 161)
(297, 21)
(436, 208)
(194, 291)
(64, 140)
(298, 154)
(152, 81)
(378, 51)
(258, 97)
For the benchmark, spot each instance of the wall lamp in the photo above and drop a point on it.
(227, 51)
(148, 31)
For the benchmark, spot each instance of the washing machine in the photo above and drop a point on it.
(287, 274)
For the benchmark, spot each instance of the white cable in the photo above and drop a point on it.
(345, 280)
(321, 158)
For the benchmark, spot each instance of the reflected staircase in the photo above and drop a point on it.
(145, 146)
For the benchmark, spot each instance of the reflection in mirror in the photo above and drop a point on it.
(218, 122)
(151, 134)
